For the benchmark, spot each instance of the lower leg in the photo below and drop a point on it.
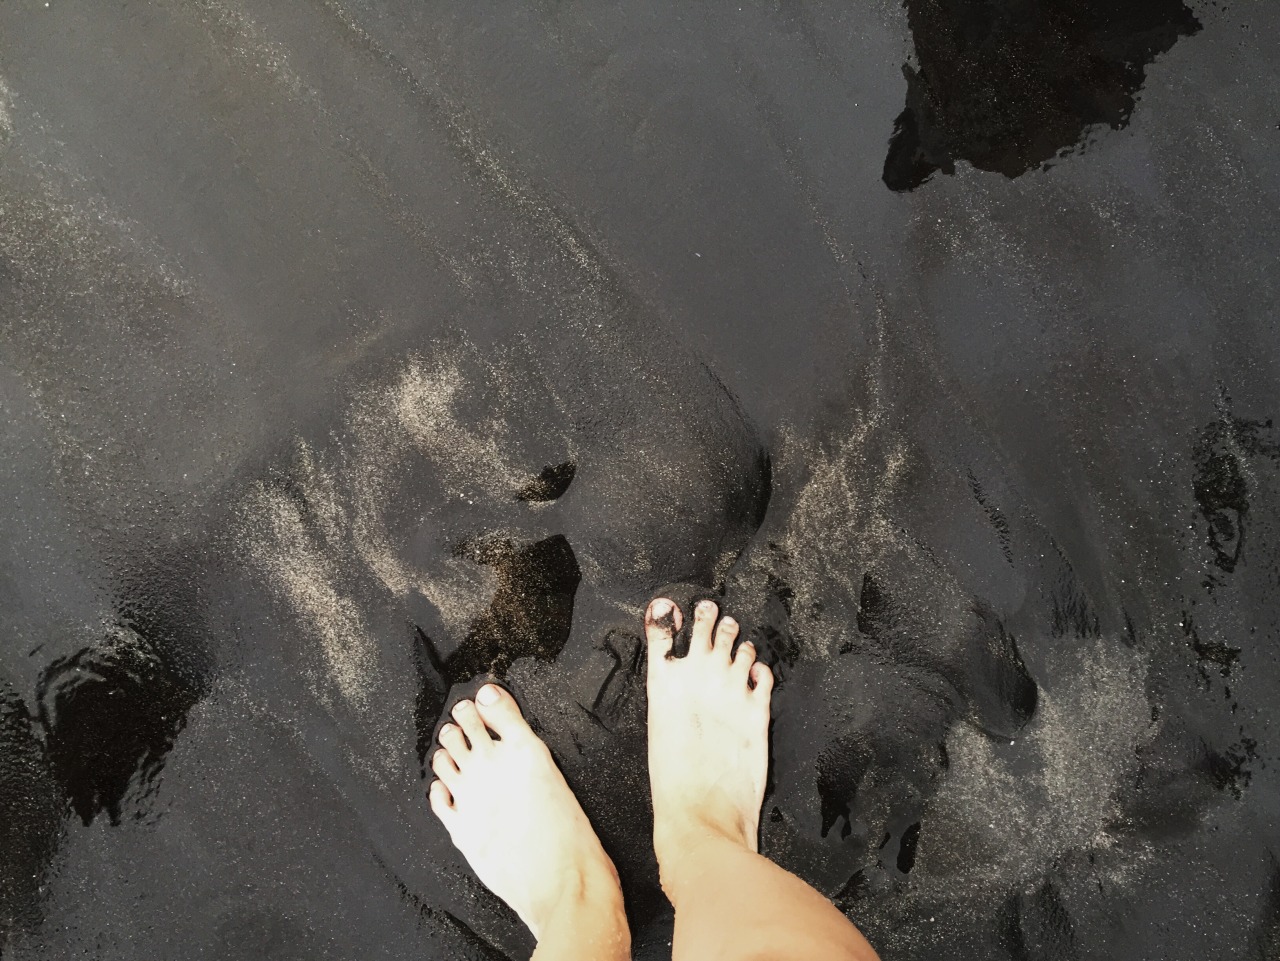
(734, 904)
(708, 758)
(588, 925)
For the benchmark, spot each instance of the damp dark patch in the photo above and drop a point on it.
(1001, 694)
(530, 616)
(624, 683)
(852, 891)
(111, 712)
(907, 848)
(31, 812)
(841, 769)
(1073, 614)
(874, 611)
(914, 155)
(532, 608)
(1230, 770)
(1009, 86)
(1220, 486)
(432, 690)
(549, 485)
(760, 492)
(769, 623)
(878, 617)
(999, 523)
(775, 643)
(782, 591)
(1130, 635)
(1224, 501)
(1036, 926)
(1213, 656)
(764, 609)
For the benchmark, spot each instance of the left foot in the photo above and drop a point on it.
(509, 811)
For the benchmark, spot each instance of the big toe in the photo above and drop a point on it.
(500, 712)
(661, 622)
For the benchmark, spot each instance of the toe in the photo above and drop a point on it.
(742, 661)
(444, 768)
(762, 677)
(442, 802)
(500, 713)
(704, 619)
(661, 621)
(726, 632)
(468, 718)
(451, 740)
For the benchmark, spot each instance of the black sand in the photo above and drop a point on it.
(352, 349)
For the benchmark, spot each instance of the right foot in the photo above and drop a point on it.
(708, 732)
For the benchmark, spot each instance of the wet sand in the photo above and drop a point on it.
(353, 351)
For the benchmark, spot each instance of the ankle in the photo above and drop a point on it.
(698, 855)
(680, 846)
(587, 914)
(675, 832)
(586, 892)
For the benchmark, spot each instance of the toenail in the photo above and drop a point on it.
(448, 728)
(488, 694)
(706, 607)
(660, 608)
(728, 622)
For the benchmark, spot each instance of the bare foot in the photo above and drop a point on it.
(708, 733)
(708, 759)
(509, 811)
